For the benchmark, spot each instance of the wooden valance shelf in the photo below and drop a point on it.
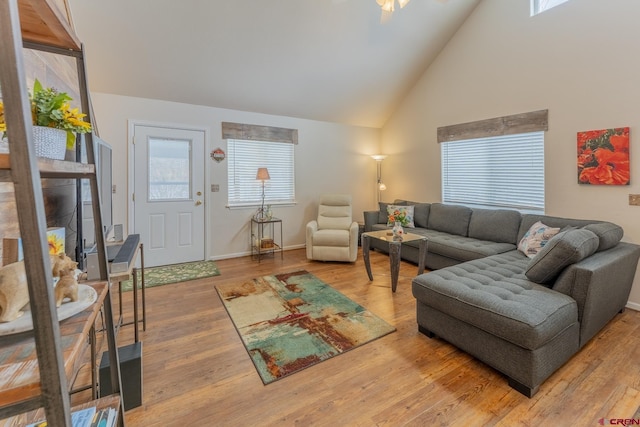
(48, 22)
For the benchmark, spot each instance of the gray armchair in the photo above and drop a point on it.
(334, 235)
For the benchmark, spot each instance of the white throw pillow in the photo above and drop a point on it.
(535, 238)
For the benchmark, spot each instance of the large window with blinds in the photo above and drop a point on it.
(495, 163)
(495, 172)
(245, 157)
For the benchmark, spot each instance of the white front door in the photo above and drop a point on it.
(169, 194)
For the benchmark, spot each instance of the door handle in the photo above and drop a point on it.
(198, 202)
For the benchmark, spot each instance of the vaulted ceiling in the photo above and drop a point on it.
(328, 60)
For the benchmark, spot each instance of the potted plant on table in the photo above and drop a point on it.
(55, 123)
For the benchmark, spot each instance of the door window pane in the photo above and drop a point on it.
(169, 169)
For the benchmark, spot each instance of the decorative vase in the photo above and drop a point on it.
(397, 230)
(50, 142)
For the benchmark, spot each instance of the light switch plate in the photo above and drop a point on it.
(215, 188)
(634, 199)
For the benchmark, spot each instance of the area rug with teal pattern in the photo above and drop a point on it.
(163, 275)
(291, 321)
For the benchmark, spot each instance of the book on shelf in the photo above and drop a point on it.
(81, 418)
(104, 418)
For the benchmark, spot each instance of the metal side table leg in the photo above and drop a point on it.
(423, 255)
(394, 260)
(365, 254)
(144, 305)
(135, 305)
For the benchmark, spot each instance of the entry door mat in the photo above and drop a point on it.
(166, 274)
(291, 321)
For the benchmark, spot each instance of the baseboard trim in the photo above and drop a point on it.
(248, 253)
(633, 306)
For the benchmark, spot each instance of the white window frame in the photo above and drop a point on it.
(245, 157)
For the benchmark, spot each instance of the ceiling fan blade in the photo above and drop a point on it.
(385, 17)
(387, 5)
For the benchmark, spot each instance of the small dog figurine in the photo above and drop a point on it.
(67, 286)
(14, 294)
(61, 261)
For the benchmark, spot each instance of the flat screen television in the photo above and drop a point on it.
(86, 224)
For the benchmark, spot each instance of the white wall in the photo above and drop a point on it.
(328, 158)
(578, 60)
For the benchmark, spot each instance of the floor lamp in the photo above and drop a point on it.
(379, 184)
(262, 175)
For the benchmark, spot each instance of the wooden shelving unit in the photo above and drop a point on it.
(50, 168)
(38, 367)
(19, 376)
(112, 401)
(49, 23)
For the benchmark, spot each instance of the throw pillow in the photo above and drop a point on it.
(401, 214)
(535, 238)
(608, 233)
(383, 216)
(564, 249)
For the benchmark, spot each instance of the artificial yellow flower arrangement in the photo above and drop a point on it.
(50, 108)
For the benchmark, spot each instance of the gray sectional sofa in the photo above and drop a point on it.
(523, 315)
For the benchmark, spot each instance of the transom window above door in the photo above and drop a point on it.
(539, 6)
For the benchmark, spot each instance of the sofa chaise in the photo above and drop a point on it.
(519, 305)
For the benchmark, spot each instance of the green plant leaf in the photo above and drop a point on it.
(71, 140)
(37, 87)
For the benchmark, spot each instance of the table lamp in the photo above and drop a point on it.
(262, 175)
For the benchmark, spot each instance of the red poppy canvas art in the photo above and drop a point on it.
(603, 157)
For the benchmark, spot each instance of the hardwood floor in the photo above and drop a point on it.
(197, 371)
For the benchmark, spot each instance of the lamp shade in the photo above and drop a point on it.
(263, 174)
(378, 157)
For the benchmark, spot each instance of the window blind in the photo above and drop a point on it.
(495, 172)
(245, 157)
